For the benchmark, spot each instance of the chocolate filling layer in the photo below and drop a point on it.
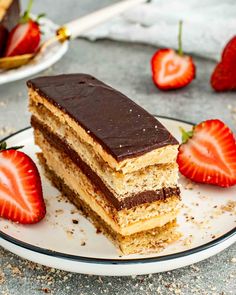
(124, 129)
(129, 202)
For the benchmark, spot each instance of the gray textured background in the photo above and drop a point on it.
(126, 67)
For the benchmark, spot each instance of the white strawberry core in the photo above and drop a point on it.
(204, 143)
(172, 66)
(5, 181)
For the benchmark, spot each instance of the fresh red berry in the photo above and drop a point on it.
(223, 76)
(24, 37)
(21, 198)
(208, 154)
(171, 69)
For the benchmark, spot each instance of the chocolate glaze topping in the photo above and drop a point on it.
(119, 204)
(123, 128)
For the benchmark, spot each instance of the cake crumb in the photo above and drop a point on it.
(98, 231)
(16, 271)
(233, 260)
(75, 221)
(70, 233)
(46, 290)
(188, 241)
(58, 212)
(2, 277)
(189, 186)
(229, 207)
(74, 211)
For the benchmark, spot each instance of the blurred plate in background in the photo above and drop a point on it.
(43, 61)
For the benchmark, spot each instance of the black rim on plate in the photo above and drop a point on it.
(92, 260)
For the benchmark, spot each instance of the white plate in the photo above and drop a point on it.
(51, 242)
(43, 61)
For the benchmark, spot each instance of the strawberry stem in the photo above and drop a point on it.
(180, 49)
(29, 6)
(26, 16)
(186, 135)
(3, 147)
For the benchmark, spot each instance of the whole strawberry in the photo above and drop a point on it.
(223, 77)
(21, 197)
(208, 154)
(171, 69)
(24, 37)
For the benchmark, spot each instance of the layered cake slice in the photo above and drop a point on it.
(110, 157)
(9, 17)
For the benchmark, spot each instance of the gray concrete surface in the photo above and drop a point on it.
(126, 67)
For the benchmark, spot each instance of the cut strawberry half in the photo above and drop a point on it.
(171, 69)
(25, 37)
(208, 154)
(21, 198)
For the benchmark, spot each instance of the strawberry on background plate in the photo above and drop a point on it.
(21, 197)
(208, 154)
(24, 37)
(223, 77)
(171, 69)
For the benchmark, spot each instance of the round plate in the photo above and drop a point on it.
(41, 62)
(207, 222)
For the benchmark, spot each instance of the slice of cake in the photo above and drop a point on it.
(110, 157)
(9, 17)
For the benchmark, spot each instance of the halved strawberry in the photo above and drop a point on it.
(171, 69)
(208, 154)
(21, 198)
(24, 37)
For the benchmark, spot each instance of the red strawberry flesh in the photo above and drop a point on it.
(23, 39)
(21, 198)
(170, 70)
(210, 155)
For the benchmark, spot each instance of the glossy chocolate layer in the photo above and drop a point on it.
(9, 20)
(123, 128)
(129, 202)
